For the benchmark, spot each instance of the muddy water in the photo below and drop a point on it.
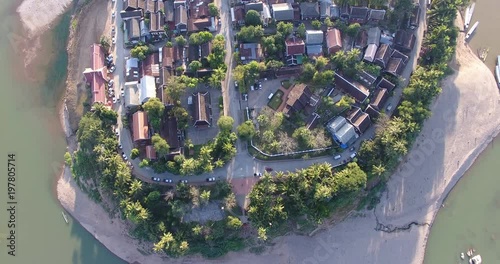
(31, 131)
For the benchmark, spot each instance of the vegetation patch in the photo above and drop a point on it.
(286, 84)
(276, 100)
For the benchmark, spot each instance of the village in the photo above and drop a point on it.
(331, 69)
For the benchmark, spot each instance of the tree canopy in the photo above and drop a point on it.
(252, 18)
(154, 108)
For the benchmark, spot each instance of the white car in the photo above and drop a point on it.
(211, 179)
(113, 14)
(353, 155)
(114, 100)
(122, 93)
(337, 157)
(124, 156)
(112, 69)
(113, 40)
(110, 83)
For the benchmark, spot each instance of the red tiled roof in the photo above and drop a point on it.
(295, 46)
(333, 40)
(96, 76)
(140, 125)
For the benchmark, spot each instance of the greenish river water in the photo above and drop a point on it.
(31, 130)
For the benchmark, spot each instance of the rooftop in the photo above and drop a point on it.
(140, 125)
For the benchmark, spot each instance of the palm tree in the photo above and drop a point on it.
(135, 187)
(230, 201)
(205, 196)
(378, 169)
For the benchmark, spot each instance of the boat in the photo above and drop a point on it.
(65, 217)
(469, 252)
(469, 11)
(497, 74)
(476, 260)
(471, 30)
(483, 53)
(462, 256)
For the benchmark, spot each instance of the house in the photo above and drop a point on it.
(257, 6)
(181, 19)
(96, 75)
(366, 78)
(379, 99)
(334, 10)
(170, 131)
(168, 11)
(372, 112)
(314, 37)
(193, 53)
(250, 52)
(359, 120)
(133, 30)
(202, 110)
(140, 127)
(344, 12)
(325, 9)
(295, 46)
(167, 57)
(370, 53)
(398, 55)
(354, 89)
(126, 15)
(150, 152)
(238, 16)
(376, 15)
(358, 14)
(383, 55)
(333, 40)
(309, 10)
(147, 88)
(361, 40)
(298, 97)
(265, 15)
(314, 50)
(342, 132)
(131, 90)
(374, 36)
(385, 84)
(156, 24)
(395, 67)
(201, 24)
(404, 41)
(205, 50)
(131, 69)
(282, 12)
(151, 65)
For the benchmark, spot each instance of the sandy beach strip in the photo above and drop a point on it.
(463, 122)
(37, 15)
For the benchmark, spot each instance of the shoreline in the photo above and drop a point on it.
(95, 220)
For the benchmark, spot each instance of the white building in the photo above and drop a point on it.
(147, 88)
(131, 94)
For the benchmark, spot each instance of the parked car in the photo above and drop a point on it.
(113, 40)
(183, 181)
(352, 149)
(113, 29)
(258, 86)
(120, 146)
(122, 93)
(270, 96)
(114, 100)
(113, 14)
(337, 157)
(353, 155)
(110, 83)
(235, 84)
(112, 69)
(268, 169)
(124, 156)
(168, 180)
(210, 179)
(156, 179)
(245, 97)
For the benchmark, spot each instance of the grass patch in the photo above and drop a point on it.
(276, 100)
(286, 84)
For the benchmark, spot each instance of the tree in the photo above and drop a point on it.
(328, 23)
(303, 137)
(217, 77)
(169, 44)
(165, 242)
(321, 63)
(105, 43)
(316, 24)
(284, 28)
(301, 30)
(160, 145)
(262, 233)
(180, 41)
(351, 179)
(139, 52)
(225, 123)
(194, 66)
(154, 108)
(182, 116)
(200, 38)
(345, 101)
(134, 153)
(230, 201)
(252, 18)
(234, 222)
(144, 163)
(250, 33)
(213, 10)
(246, 130)
(67, 159)
(378, 169)
(274, 64)
(353, 29)
(205, 196)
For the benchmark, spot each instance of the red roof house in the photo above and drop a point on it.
(96, 76)
(333, 40)
(295, 46)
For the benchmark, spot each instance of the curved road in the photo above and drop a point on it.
(243, 165)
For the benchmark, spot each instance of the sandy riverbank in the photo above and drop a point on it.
(37, 15)
(463, 123)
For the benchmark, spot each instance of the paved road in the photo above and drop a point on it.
(243, 165)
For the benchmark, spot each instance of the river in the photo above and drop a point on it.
(31, 130)
(471, 216)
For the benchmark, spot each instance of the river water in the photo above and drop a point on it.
(31, 130)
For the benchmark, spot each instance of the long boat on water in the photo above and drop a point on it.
(471, 30)
(497, 71)
(469, 11)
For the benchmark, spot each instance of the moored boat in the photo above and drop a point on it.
(476, 260)
(497, 74)
(471, 30)
(469, 11)
(65, 217)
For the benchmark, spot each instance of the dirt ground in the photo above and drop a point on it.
(87, 31)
